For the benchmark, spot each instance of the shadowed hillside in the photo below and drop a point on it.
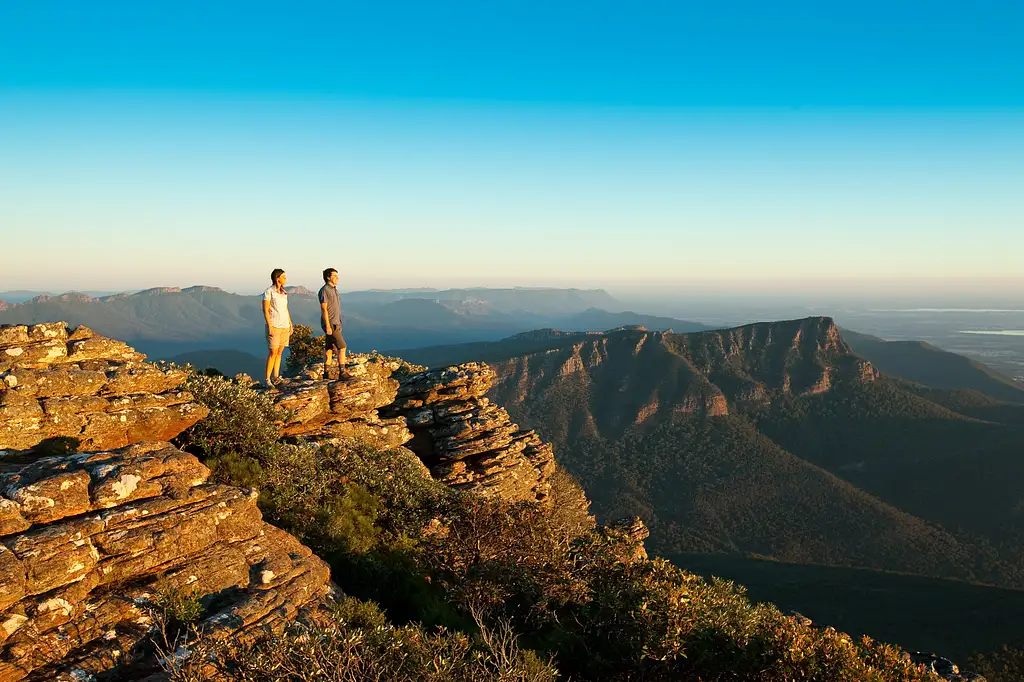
(929, 365)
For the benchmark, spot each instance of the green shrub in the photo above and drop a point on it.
(1005, 665)
(570, 508)
(304, 349)
(178, 605)
(242, 421)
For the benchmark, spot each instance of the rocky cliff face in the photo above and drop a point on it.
(319, 409)
(60, 382)
(798, 357)
(441, 415)
(88, 541)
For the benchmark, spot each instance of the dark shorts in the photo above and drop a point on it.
(335, 341)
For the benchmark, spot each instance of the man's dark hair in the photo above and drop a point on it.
(328, 272)
(274, 274)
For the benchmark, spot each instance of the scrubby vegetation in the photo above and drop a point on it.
(1005, 665)
(354, 642)
(304, 349)
(474, 588)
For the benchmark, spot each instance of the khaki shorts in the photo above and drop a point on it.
(277, 337)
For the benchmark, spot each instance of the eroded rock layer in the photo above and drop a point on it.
(468, 442)
(319, 409)
(441, 415)
(88, 540)
(60, 382)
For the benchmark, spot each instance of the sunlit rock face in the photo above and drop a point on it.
(466, 441)
(55, 381)
(87, 540)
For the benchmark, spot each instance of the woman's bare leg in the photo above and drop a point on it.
(270, 364)
(277, 363)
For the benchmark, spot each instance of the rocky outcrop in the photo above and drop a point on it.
(468, 442)
(319, 409)
(441, 415)
(628, 536)
(55, 381)
(944, 667)
(88, 541)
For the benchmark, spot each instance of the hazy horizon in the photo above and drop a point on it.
(931, 296)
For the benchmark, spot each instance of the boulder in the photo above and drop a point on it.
(316, 408)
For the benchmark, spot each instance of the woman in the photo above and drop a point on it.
(279, 322)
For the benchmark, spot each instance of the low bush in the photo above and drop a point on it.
(178, 605)
(1005, 665)
(304, 349)
(357, 643)
(242, 421)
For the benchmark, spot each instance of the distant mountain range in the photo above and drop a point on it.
(167, 321)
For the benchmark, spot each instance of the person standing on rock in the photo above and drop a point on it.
(279, 323)
(330, 320)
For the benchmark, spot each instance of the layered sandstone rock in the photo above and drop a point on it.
(468, 442)
(88, 540)
(629, 534)
(60, 382)
(319, 409)
(442, 416)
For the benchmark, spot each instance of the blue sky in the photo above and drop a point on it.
(741, 146)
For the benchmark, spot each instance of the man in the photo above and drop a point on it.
(279, 323)
(330, 320)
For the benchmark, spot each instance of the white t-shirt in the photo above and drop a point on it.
(279, 316)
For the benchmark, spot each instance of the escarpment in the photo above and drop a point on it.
(631, 377)
(56, 381)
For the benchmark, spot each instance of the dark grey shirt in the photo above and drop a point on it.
(329, 295)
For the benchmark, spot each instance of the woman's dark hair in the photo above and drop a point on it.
(328, 272)
(274, 274)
